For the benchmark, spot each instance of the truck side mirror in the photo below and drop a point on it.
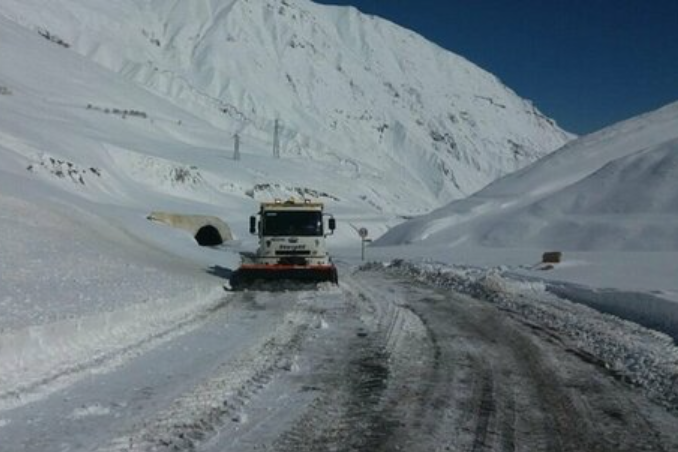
(333, 224)
(253, 225)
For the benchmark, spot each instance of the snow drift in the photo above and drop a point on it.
(612, 190)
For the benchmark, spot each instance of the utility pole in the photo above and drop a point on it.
(276, 139)
(236, 147)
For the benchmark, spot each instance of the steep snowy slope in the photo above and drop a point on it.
(613, 190)
(74, 195)
(351, 91)
(91, 142)
(93, 139)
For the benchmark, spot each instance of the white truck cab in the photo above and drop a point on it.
(291, 244)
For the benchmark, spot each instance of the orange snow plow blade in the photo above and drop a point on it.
(272, 277)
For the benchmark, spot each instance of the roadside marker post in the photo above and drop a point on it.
(363, 232)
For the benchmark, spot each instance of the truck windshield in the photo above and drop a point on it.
(292, 223)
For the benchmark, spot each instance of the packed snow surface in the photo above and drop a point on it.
(113, 110)
(644, 357)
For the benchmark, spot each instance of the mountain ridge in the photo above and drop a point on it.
(346, 87)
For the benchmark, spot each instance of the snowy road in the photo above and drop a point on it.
(381, 363)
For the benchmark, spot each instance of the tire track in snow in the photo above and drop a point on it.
(517, 386)
(197, 415)
(390, 375)
(345, 415)
(385, 364)
(485, 411)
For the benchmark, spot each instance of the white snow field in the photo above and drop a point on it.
(608, 201)
(116, 333)
(414, 123)
(110, 111)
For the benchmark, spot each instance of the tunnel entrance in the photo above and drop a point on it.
(208, 236)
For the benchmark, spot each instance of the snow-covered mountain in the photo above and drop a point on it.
(110, 323)
(372, 104)
(615, 190)
(112, 110)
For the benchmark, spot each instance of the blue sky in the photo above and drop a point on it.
(586, 63)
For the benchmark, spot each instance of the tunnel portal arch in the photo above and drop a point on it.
(208, 235)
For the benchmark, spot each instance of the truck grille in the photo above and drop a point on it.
(293, 253)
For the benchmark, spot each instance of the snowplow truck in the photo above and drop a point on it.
(291, 246)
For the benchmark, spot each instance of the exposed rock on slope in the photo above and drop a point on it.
(348, 88)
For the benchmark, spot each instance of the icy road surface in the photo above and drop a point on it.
(381, 363)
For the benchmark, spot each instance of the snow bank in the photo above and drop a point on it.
(40, 359)
(649, 310)
(612, 190)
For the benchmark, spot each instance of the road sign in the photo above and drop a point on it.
(362, 232)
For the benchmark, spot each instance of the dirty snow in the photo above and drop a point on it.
(641, 356)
